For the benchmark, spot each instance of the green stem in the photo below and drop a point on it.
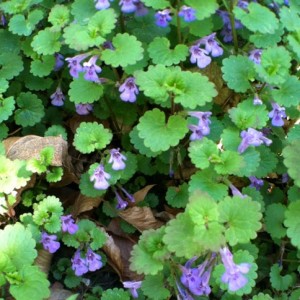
(178, 23)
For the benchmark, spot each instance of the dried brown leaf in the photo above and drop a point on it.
(58, 292)
(141, 194)
(43, 260)
(141, 218)
(83, 203)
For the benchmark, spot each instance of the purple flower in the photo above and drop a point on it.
(83, 109)
(257, 100)
(116, 158)
(234, 274)
(57, 98)
(196, 132)
(285, 178)
(74, 64)
(199, 56)
(255, 56)
(68, 224)
(163, 18)
(203, 120)
(141, 9)
(277, 115)
(79, 264)
(211, 45)
(3, 21)
(188, 13)
(49, 242)
(128, 6)
(128, 90)
(252, 137)
(102, 4)
(256, 182)
(93, 260)
(129, 196)
(133, 286)
(121, 203)
(59, 62)
(243, 4)
(196, 279)
(183, 293)
(286, 2)
(236, 192)
(91, 69)
(100, 178)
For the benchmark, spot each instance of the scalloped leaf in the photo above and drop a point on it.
(160, 52)
(155, 283)
(46, 42)
(177, 196)
(279, 282)
(241, 256)
(292, 160)
(11, 65)
(203, 9)
(158, 135)
(7, 106)
(55, 174)
(33, 284)
(156, 4)
(274, 220)
(257, 18)
(43, 66)
(98, 239)
(202, 152)
(237, 72)
(269, 160)
(57, 130)
(287, 93)
(265, 40)
(59, 16)
(30, 111)
(275, 65)
(147, 256)
(91, 136)
(292, 223)
(230, 163)
(21, 26)
(247, 115)
(92, 91)
(127, 51)
(290, 18)
(207, 181)
(242, 217)
(83, 10)
(115, 294)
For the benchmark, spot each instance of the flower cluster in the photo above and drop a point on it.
(68, 224)
(201, 50)
(277, 115)
(252, 137)
(91, 262)
(121, 204)
(50, 242)
(234, 274)
(202, 128)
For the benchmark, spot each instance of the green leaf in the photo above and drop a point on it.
(269, 160)
(294, 43)
(262, 296)
(127, 51)
(247, 115)
(242, 219)
(55, 174)
(290, 18)
(257, 18)
(12, 43)
(21, 26)
(92, 91)
(160, 52)
(203, 9)
(274, 220)
(275, 65)
(30, 111)
(203, 152)
(83, 10)
(57, 130)
(59, 16)
(11, 65)
(7, 107)
(47, 213)
(237, 72)
(279, 282)
(158, 135)
(241, 256)
(294, 134)
(18, 245)
(265, 40)
(115, 294)
(46, 42)
(230, 163)
(3, 134)
(43, 66)
(208, 181)
(287, 93)
(178, 196)
(156, 4)
(91, 136)
(98, 238)
(292, 160)
(155, 283)
(3, 85)
(148, 255)
(292, 223)
(196, 90)
(33, 284)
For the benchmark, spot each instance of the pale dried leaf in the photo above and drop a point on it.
(58, 292)
(43, 260)
(83, 203)
(141, 218)
(141, 194)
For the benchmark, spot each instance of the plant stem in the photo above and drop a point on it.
(178, 23)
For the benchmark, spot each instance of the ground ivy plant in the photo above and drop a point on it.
(149, 149)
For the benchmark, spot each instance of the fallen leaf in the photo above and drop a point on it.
(141, 194)
(141, 218)
(43, 260)
(83, 203)
(58, 292)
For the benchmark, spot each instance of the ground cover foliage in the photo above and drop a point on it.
(149, 149)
